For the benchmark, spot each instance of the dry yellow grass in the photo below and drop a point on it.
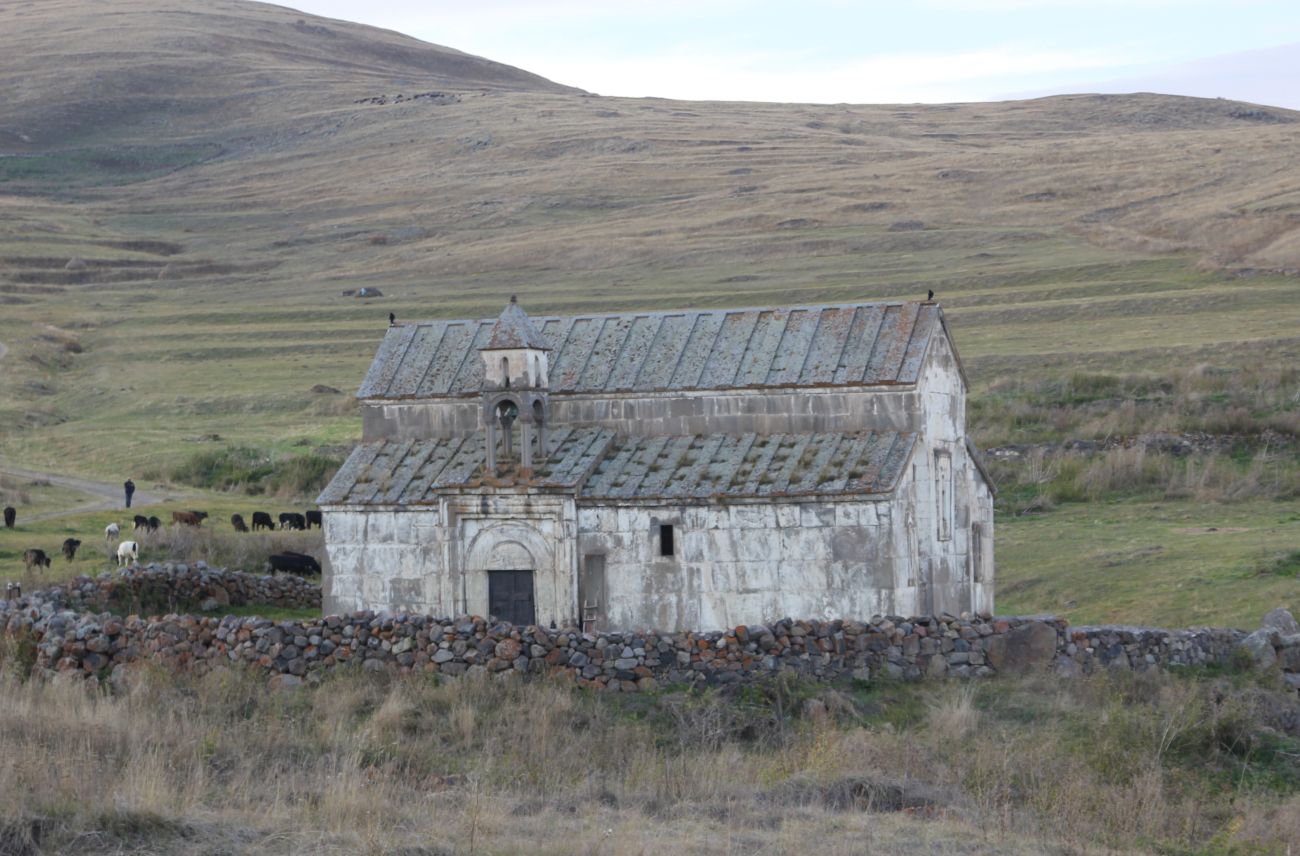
(373, 765)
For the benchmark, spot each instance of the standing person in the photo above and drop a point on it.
(129, 487)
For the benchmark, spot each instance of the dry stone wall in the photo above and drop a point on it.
(72, 630)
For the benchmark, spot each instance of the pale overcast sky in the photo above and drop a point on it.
(831, 51)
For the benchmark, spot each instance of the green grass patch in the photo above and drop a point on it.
(72, 169)
(1171, 564)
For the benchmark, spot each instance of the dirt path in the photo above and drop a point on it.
(108, 496)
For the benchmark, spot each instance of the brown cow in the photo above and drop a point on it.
(237, 521)
(188, 518)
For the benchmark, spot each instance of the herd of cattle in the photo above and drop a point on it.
(128, 552)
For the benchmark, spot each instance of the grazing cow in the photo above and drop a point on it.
(237, 521)
(128, 552)
(262, 520)
(294, 563)
(35, 557)
(189, 518)
(141, 522)
(70, 546)
(292, 520)
(313, 519)
(111, 531)
(10, 516)
(154, 523)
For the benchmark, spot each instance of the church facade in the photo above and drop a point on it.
(664, 470)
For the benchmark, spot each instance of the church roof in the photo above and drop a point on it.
(513, 330)
(865, 344)
(595, 464)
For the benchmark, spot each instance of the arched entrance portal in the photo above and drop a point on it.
(510, 574)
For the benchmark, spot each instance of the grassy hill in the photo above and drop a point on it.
(187, 189)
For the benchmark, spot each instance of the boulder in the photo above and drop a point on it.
(1282, 621)
(1259, 645)
(1027, 648)
(279, 683)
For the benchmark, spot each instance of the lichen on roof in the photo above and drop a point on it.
(867, 344)
(593, 463)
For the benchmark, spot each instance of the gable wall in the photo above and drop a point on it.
(947, 566)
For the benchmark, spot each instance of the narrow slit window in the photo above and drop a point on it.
(666, 546)
(943, 494)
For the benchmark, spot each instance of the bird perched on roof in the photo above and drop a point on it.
(392, 319)
(930, 296)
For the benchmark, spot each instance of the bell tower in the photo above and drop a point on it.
(515, 391)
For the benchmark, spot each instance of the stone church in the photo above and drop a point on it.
(693, 469)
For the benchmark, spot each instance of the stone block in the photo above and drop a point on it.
(1259, 645)
(1029, 647)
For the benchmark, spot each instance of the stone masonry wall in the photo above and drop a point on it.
(62, 637)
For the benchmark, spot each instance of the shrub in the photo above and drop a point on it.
(240, 468)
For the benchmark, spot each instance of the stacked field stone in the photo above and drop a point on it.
(72, 629)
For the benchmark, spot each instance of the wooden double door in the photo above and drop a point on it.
(510, 597)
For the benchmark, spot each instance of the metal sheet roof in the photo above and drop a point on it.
(595, 464)
(845, 345)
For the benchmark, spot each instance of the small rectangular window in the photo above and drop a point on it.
(666, 540)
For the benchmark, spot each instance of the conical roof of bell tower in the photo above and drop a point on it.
(513, 330)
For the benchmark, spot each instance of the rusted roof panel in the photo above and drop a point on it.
(854, 345)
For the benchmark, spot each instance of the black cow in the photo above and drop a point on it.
(154, 523)
(35, 557)
(292, 520)
(237, 521)
(141, 522)
(313, 519)
(294, 563)
(10, 516)
(70, 546)
(262, 520)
